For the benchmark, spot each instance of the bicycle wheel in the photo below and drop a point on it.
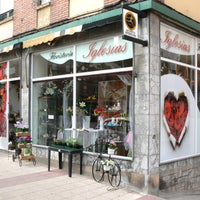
(97, 170)
(114, 175)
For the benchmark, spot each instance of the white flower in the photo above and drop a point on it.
(107, 162)
(82, 104)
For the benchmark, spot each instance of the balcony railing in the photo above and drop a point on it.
(6, 15)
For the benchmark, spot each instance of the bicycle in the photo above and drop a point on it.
(114, 173)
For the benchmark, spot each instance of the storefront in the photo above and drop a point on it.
(97, 87)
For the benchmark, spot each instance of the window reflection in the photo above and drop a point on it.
(186, 73)
(92, 109)
(85, 67)
(198, 54)
(53, 111)
(106, 99)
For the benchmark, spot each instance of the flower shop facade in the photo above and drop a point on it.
(96, 87)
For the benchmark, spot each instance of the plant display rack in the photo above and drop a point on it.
(21, 149)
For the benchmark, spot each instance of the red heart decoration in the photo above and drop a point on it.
(175, 112)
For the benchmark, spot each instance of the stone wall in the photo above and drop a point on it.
(180, 175)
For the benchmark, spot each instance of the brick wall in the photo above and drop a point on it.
(180, 175)
(25, 13)
(25, 16)
(59, 10)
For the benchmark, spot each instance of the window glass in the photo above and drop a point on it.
(106, 100)
(44, 1)
(50, 103)
(178, 111)
(177, 45)
(186, 73)
(14, 69)
(3, 107)
(6, 5)
(14, 104)
(95, 109)
(198, 53)
(104, 54)
(57, 62)
(179, 94)
(3, 70)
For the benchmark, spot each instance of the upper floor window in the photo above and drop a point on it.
(6, 5)
(43, 1)
(6, 9)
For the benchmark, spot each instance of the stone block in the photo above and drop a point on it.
(137, 180)
(154, 181)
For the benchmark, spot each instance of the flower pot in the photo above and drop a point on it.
(111, 151)
(27, 152)
(106, 168)
(28, 145)
(20, 146)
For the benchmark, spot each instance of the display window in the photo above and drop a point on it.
(91, 102)
(198, 53)
(179, 95)
(9, 95)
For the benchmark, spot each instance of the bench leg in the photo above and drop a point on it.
(70, 164)
(81, 164)
(60, 159)
(49, 159)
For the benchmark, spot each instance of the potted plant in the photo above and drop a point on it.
(107, 164)
(57, 142)
(24, 141)
(74, 143)
(27, 152)
(112, 146)
(20, 127)
(11, 146)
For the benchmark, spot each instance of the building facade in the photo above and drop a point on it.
(70, 73)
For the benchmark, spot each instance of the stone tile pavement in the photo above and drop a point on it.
(35, 182)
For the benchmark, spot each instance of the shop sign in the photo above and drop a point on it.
(176, 41)
(130, 23)
(107, 50)
(59, 56)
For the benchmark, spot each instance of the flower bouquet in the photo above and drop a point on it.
(107, 164)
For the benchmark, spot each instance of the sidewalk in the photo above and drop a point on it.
(35, 182)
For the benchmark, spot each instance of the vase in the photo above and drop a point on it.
(86, 122)
(106, 168)
(111, 151)
(79, 121)
(101, 123)
(60, 121)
